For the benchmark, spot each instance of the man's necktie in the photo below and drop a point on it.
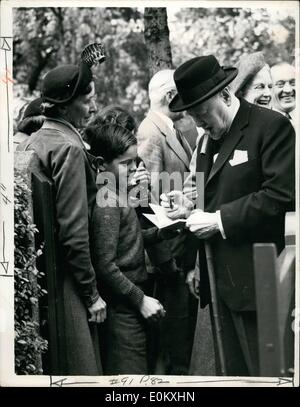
(183, 143)
(217, 144)
(288, 115)
(215, 149)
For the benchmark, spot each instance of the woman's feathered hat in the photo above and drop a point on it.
(64, 83)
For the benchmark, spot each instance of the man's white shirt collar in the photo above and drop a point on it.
(292, 115)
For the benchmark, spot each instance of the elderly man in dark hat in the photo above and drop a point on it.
(68, 95)
(249, 184)
(254, 84)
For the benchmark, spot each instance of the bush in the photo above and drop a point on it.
(29, 345)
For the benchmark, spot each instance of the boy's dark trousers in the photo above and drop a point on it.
(123, 337)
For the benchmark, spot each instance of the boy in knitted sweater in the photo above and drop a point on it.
(118, 253)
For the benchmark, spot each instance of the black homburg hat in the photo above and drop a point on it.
(199, 79)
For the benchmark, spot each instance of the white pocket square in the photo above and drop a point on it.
(239, 157)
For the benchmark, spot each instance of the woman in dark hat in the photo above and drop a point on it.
(68, 95)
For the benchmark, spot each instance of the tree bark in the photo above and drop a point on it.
(37, 69)
(156, 34)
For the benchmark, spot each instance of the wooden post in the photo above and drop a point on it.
(50, 310)
(267, 309)
(275, 300)
(44, 218)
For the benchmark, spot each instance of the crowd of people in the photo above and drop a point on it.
(132, 289)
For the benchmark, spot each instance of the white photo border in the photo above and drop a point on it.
(7, 376)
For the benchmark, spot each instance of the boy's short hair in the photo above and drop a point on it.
(109, 141)
(113, 114)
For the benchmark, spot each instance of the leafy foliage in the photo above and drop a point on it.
(28, 343)
(236, 31)
(60, 34)
(45, 37)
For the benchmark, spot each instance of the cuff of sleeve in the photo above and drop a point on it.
(220, 224)
(136, 296)
(92, 297)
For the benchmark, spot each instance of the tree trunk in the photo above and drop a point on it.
(157, 39)
(36, 71)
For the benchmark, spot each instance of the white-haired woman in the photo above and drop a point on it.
(254, 81)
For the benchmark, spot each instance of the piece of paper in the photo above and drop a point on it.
(161, 220)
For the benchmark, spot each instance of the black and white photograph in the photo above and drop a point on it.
(149, 193)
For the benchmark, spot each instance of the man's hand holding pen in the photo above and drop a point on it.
(202, 224)
(176, 204)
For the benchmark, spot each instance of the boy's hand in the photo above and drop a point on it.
(193, 283)
(138, 187)
(98, 311)
(141, 175)
(151, 309)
